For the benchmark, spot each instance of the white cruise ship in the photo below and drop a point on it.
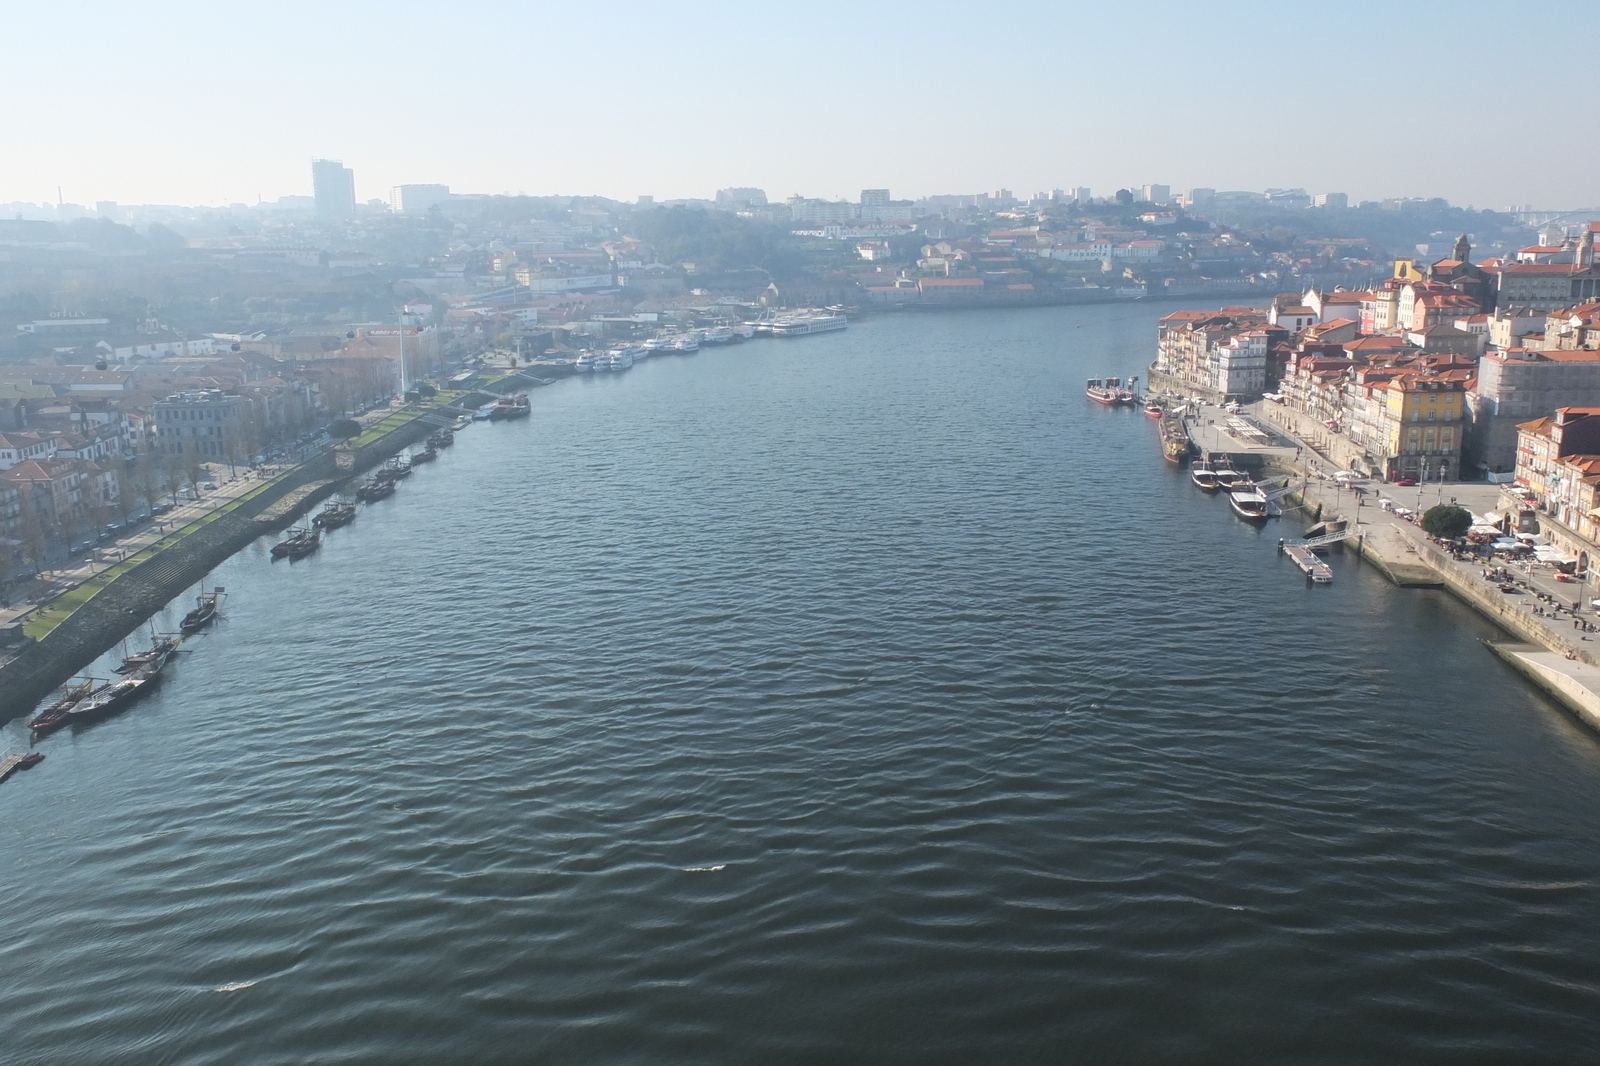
(799, 325)
(716, 335)
(586, 362)
(619, 359)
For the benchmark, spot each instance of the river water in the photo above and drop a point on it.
(868, 697)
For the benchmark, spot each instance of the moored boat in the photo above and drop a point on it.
(1227, 477)
(1108, 391)
(1249, 502)
(205, 610)
(376, 487)
(1153, 409)
(799, 325)
(1201, 474)
(517, 406)
(336, 514)
(426, 455)
(1174, 439)
(442, 439)
(54, 716)
(160, 648)
(299, 544)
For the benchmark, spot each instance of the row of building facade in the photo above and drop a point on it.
(1426, 376)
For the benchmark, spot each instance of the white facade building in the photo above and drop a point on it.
(417, 199)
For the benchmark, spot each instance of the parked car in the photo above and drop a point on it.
(209, 486)
(160, 509)
(1406, 481)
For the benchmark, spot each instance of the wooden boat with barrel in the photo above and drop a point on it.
(160, 648)
(1174, 438)
(205, 611)
(336, 514)
(54, 716)
(298, 544)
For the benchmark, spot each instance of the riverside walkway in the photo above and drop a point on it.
(58, 581)
(1558, 627)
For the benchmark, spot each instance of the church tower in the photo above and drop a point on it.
(1463, 250)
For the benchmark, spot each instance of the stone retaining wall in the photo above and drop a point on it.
(124, 605)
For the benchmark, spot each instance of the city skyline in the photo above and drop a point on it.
(774, 103)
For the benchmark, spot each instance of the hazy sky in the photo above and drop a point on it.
(216, 102)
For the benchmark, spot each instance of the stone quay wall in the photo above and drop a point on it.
(133, 596)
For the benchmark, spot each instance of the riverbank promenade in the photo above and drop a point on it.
(1552, 614)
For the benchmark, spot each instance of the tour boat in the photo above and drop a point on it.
(1174, 439)
(508, 407)
(585, 362)
(619, 359)
(1248, 501)
(1226, 475)
(1108, 391)
(1201, 474)
(685, 342)
(716, 335)
(426, 455)
(800, 325)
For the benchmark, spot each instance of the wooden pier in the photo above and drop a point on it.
(9, 764)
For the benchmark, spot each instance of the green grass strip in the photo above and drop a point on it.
(45, 619)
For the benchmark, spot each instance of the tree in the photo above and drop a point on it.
(344, 429)
(1447, 521)
(173, 469)
(146, 480)
(193, 465)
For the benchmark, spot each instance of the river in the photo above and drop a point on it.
(866, 697)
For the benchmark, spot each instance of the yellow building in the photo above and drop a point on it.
(1406, 270)
(1424, 421)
